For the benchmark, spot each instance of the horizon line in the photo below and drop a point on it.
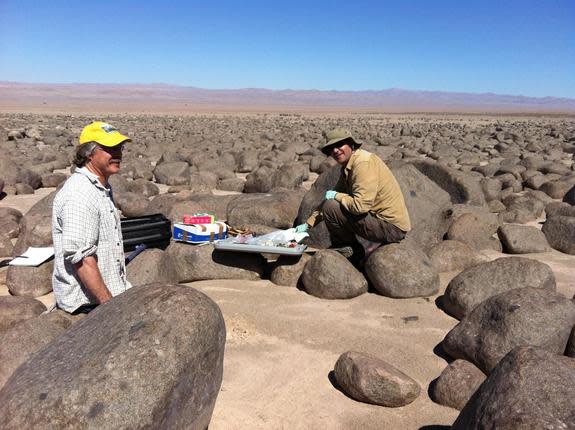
(488, 93)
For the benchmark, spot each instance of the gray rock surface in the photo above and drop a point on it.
(197, 263)
(21, 341)
(529, 389)
(475, 232)
(172, 173)
(328, 275)
(155, 363)
(560, 233)
(399, 271)
(30, 281)
(275, 210)
(522, 239)
(450, 255)
(151, 266)
(372, 380)
(462, 188)
(524, 316)
(287, 270)
(430, 208)
(456, 384)
(478, 283)
(14, 310)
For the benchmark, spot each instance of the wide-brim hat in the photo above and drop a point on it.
(103, 134)
(336, 137)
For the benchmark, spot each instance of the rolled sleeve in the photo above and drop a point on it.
(363, 192)
(80, 230)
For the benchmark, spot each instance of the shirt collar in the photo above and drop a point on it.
(351, 160)
(92, 177)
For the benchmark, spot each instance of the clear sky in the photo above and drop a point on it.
(506, 47)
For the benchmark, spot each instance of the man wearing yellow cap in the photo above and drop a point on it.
(367, 200)
(89, 267)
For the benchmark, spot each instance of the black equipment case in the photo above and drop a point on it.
(154, 231)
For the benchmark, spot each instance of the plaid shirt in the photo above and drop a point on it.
(85, 222)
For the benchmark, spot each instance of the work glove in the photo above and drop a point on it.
(330, 195)
(302, 228)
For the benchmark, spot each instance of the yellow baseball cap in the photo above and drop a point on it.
(102, 133)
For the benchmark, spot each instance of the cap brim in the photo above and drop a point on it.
(113, 139)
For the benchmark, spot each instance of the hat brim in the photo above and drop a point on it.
(328, 147)
(112, 139)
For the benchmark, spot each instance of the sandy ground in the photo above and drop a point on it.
(282, 345)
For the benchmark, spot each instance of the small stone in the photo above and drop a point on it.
(371, 380)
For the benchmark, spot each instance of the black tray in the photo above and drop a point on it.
(154, 231)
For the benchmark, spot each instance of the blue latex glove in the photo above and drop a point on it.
(302, 228)
(330, 195)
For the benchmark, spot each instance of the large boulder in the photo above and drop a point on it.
(469, 228)
(462, 188)
(478, 283)
(522, 239)
(560, 233)
(21, 341)
(275, 210)
(172, 173)
(152, 265)
(429, 206)
(524, 316)
(522, 209)
(397, 270)
(30, 281)
(131, 204)
(456, 384)
(14, 310)
(260, 180)
(150, 358)
(197, 203)
(328, 275)
(290, 176)
(558, 188)
(529, 389)
(371, 380)
(197, 263)
(36, 225)
(315, 196)
(451, 255)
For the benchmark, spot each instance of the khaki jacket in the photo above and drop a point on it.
(366, 185)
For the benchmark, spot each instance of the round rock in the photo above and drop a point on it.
(329, 275)
(397, 270)
(456, 384)
(371, 380)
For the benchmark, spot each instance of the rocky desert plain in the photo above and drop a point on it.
(467, 323)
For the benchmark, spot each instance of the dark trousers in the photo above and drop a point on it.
(343, 226)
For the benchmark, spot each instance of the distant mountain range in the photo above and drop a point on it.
(181, 97)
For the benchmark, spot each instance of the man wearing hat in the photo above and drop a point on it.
(367, 200)
(89, 266)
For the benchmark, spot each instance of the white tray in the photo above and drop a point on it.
(228, 245)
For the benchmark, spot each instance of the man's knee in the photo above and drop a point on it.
(332, 211)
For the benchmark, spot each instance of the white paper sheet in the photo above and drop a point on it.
(33, 257)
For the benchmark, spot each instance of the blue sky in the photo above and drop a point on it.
(506, 47)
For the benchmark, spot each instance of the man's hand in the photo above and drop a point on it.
(302, 228)
(91, 279)
(330, 195)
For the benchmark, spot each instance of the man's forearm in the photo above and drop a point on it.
(91, 279)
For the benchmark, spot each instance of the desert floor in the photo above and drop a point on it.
(282, 345)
